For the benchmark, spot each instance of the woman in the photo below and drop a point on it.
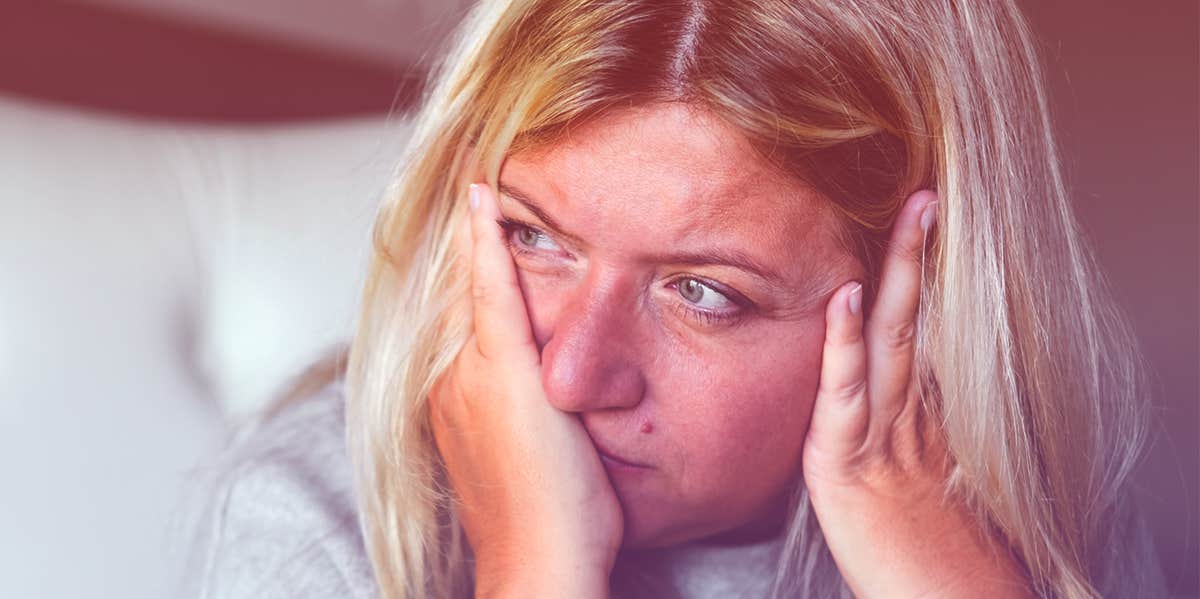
(790, 283)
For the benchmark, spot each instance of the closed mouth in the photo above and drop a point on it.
(617, 460)
(609, 455)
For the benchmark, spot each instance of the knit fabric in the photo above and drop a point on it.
(279, 520)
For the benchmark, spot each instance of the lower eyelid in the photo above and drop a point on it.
(674, 285)
(512, 228)
(707, 317)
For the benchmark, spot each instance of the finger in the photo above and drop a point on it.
(441, 401)
(461, 241)
(841, 413)
(458, 315)
(891, 329)
(501, 321)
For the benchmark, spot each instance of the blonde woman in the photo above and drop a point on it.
(709, 298)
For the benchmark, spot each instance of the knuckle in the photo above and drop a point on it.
(485, 353)
(445, 391)
(842, 336)
(477, 228)
(898, 336)
(482, 293)
(448, 395)
(844, 390)
(905, 252)
(877, 468)
(481, 350)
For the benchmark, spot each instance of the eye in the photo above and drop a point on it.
(708, 303)
(533, 238)
(524, 238)
(703, 296)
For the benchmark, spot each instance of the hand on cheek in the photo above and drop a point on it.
(534, 499)
(875, 465)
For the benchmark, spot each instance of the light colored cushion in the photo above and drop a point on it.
(282, 219)
(243, 248)
(99, 416)
(156, 281)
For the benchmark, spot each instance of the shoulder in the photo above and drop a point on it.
(278, 516)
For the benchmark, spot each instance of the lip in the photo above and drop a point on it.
(615, 459)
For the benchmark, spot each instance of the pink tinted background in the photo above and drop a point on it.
(1124, 78)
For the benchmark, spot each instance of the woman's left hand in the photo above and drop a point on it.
(875, 465)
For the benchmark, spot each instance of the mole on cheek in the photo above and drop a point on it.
(647, 427)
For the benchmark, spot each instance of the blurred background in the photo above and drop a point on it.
(186, 190)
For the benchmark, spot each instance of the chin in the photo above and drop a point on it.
(638, 537)
(645, 524)
(653, 525)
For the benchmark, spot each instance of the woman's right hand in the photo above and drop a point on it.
(534, 499)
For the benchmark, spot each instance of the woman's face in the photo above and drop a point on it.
(676, 286)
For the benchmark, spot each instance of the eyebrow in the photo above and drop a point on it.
(539, 212)
(716, 256)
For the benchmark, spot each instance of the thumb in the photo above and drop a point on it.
(501, 321)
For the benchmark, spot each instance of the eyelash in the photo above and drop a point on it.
(706, 317)
(511, 226)
(709, 317)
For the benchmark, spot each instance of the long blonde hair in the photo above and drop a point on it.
(1039, 384)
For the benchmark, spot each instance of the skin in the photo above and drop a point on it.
(611, 320)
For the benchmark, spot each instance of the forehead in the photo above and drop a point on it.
(674, 174)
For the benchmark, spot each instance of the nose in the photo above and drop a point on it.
(589, 363)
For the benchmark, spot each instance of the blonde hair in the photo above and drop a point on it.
(1038, 382)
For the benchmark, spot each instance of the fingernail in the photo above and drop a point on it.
(928, 216)
(855, 299)
(473, 196)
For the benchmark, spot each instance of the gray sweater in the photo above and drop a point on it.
(275, 517)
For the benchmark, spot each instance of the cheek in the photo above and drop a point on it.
(748, 414)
